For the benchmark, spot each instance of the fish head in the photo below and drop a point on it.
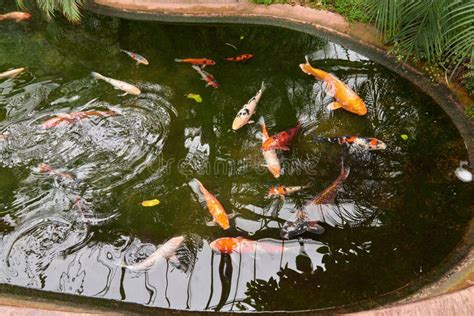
(376, 144)
(43, 168)
(23, 16)
(210, 62)
(292, 229)
(306, 68)
(223, 220)
(239, 121)
(134, 91)
(224, 245)
(358, 107)
(144, 61)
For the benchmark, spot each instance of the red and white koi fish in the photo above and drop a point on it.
(282, 139)
(45, 168)
(165, 252)
(270, 156)
(230, 245)
(117, 84)
(345, 97)
(74, 117)
(354, 141)
(17, 16)
(11, 73)
(241, 58)
(302, 223)
(244, 114)
(282, 190)
(215, 207)
(207, 77)
(138, 58)
(196, 61)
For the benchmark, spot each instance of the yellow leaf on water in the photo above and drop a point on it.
(195, 97)
(150, 203)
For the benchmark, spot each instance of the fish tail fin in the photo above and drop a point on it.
(263, 86)
(261, 121)
(97, 75)
(196, 67)
(178, 60)
(345, 170)
(319, 139)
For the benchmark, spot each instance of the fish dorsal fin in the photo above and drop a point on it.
(329, 88)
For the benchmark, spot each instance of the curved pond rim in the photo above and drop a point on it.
(442, 96)
(461, 260)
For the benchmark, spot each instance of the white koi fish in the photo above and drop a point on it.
(17, 16)
(11, 73)
(117, 84)
(166, 251)
(271, 158)
(138, 58)
(247, 110)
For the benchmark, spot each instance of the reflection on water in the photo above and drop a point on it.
(73, 226)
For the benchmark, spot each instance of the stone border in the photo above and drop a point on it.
(358, 37)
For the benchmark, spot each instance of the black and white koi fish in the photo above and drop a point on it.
(138, 58)
(244, 115)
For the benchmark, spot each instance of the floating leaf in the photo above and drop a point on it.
(404, 136)
(195, 97)
(150, 203)
(242, 37)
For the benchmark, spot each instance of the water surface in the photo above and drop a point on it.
(401, 211)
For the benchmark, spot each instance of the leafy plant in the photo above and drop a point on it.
(440, 31)
(71, 9)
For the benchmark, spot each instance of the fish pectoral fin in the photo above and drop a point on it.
(286, 148)
(123, 94)
(329, 88)
(211, 223)
(334, 106)
(315, 228)
(232, 215)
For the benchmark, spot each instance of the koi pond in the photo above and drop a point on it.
(71, 213)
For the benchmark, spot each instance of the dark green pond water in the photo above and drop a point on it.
(399, 214)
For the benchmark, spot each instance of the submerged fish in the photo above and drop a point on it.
(215, 207)
(463, 174)
(282, 190)
(243, 57)
(11, 73)
(355, 142)
(17, 16)
(74, 117)
(117, 84)
(167, 252)
(271, 158)
(45, 168)
(138, 58)
(345, 97)
(207, 77)
(196, 61)
(244, 115)
(230, 245)
(302, 223)
(282, 139)
(4, 136)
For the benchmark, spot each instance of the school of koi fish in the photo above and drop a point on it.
(344, 97)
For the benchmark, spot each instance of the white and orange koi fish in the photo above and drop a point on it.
(271, 158)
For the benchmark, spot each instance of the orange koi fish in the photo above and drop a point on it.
(241, 58)
(17, 16)
(207, 77)
(363, 143)
(345, 97)
(45, 168)
(196, 61)
(282, 190)
(215, 208)
(270, 156)
(282, 139)
(230, 245)
(74, 117)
